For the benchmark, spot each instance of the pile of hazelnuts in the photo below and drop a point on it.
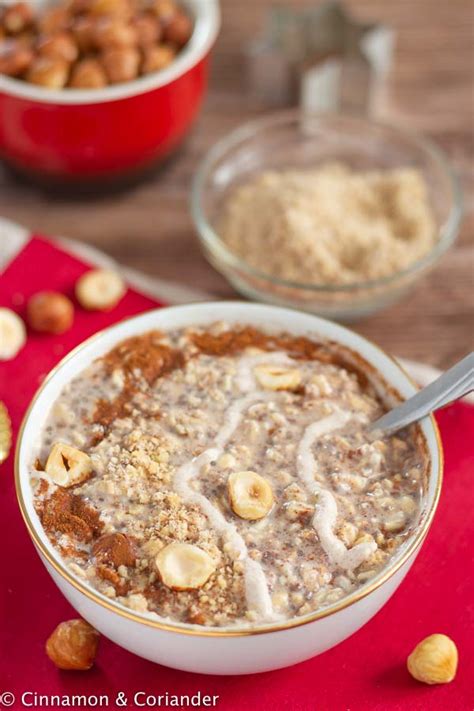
(89, 44)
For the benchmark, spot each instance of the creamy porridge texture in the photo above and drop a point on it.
(223, 476)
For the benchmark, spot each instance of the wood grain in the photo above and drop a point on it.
(431, 90)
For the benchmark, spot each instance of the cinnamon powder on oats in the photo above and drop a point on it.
(67, 513)
(139, 358)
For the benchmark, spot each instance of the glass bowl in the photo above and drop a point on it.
(292, 139)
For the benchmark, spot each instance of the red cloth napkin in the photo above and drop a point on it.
(365, 672)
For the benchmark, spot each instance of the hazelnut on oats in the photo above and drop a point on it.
(183, 566)
(434, 660)
(100, 289)
(276, 377)
(68, 466)
(73, 645)
(12, 334)
(250, 495)
(50, 312)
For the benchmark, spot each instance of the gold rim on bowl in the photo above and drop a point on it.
(182, 628)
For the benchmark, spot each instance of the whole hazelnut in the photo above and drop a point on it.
(434, 660)
(54, 20)
(148, 29)
(14, 58)
(17, 17)
(121, 64)
(78, 7)
(73, 645)
(50, 312)
(114, 32)
(49, 72)
(61, 45)
(119, 8)
(157, 57)
(178, 30)
(164, 9)
(84, 29)
(88, 74)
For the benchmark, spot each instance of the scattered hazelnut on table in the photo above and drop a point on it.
(50, 312)
(434, 660)
(73, 645)
(100, 290)
(178, 30)
(88, 74)
(157, 57)
(50, 72)
(61, 45)
(12, 334)
(17, 17)
(121, 64)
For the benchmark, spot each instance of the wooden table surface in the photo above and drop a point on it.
(431, 90)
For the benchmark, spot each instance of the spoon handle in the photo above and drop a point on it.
(452, 385)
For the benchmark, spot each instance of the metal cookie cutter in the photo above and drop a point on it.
(320, 58)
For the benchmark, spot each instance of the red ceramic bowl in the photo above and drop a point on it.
(81, 135)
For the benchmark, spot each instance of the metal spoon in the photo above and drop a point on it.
(452, 385)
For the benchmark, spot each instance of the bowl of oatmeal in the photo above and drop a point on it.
(333, 214)
(200, 484)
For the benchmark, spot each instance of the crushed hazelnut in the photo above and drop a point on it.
(73, 645)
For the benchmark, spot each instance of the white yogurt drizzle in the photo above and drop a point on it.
(256, 586)
(325, 513)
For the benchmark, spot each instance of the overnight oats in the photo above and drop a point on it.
(224, 476)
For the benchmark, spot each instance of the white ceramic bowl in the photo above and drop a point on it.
(223, 650)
